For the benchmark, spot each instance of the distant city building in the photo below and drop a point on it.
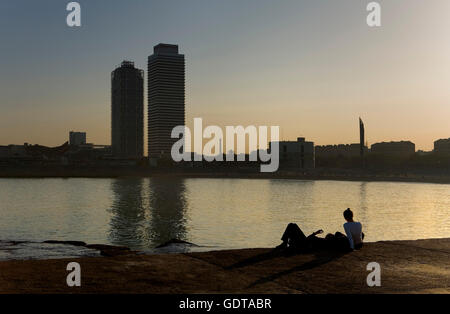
(65, 154)
(296, 154)
(361, 138)
(403, 148)
(340, 150)
(166, 98)
(13, 151)
(344, 150)
(77, 138)
(26, 154)
(127, 111)
(423, 153)
(4, 152)
(442, 146)
(88, 153)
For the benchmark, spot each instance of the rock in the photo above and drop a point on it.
(420, 266)
(110, 250)
(75, 243)
(105, 250)
(175, 241)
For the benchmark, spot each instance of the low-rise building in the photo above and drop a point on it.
(340, 150)
(398, 149)
(442, 146)
(77, 138)
(296, 154)
(14, 151)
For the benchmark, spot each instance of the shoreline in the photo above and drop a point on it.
(171, 247)
(122, 173)
(416, 266)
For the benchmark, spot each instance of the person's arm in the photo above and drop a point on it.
(318, 232)
(315, 233)
(349, 236)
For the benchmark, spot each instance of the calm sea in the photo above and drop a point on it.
(220, 213)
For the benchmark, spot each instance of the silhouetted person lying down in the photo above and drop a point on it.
(295, 240)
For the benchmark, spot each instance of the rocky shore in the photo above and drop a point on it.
(421, 266)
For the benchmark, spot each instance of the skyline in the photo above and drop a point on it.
(310, 68)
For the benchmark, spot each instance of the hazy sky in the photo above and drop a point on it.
(312, 67)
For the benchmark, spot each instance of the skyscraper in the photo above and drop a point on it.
(361, 137)
(127, 111)
(166, 78)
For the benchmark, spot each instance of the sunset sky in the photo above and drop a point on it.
(311, 67)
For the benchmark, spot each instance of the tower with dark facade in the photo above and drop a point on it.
(361, 137)
(127, 111)
(166, 98)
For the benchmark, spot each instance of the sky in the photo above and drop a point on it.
(311, 67)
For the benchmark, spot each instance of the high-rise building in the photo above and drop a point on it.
(361, 137)
(127, 111)
(77, 138)
(166, 110)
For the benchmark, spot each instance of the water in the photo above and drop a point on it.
(218, 213)
(13, 250)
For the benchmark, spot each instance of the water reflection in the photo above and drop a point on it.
(128, 213)
(363, 201)
(168, 210)
(147, 212)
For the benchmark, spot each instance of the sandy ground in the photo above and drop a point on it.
(421, 266)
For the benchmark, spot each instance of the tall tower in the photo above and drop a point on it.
(361, 137)
(127, 111)
(166, 79)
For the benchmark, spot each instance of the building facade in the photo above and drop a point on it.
(296, 154)
(397, 149)
(442, 146)
(362, 145)
(127, 111)
(166, 98)
(340, 150)
(77, 138)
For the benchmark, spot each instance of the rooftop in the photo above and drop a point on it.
(127, 64)
(164, 49)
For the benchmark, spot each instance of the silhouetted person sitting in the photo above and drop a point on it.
(353, 230)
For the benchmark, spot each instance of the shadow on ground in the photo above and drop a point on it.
(321, 257)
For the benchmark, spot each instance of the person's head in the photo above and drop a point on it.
(348, 215)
